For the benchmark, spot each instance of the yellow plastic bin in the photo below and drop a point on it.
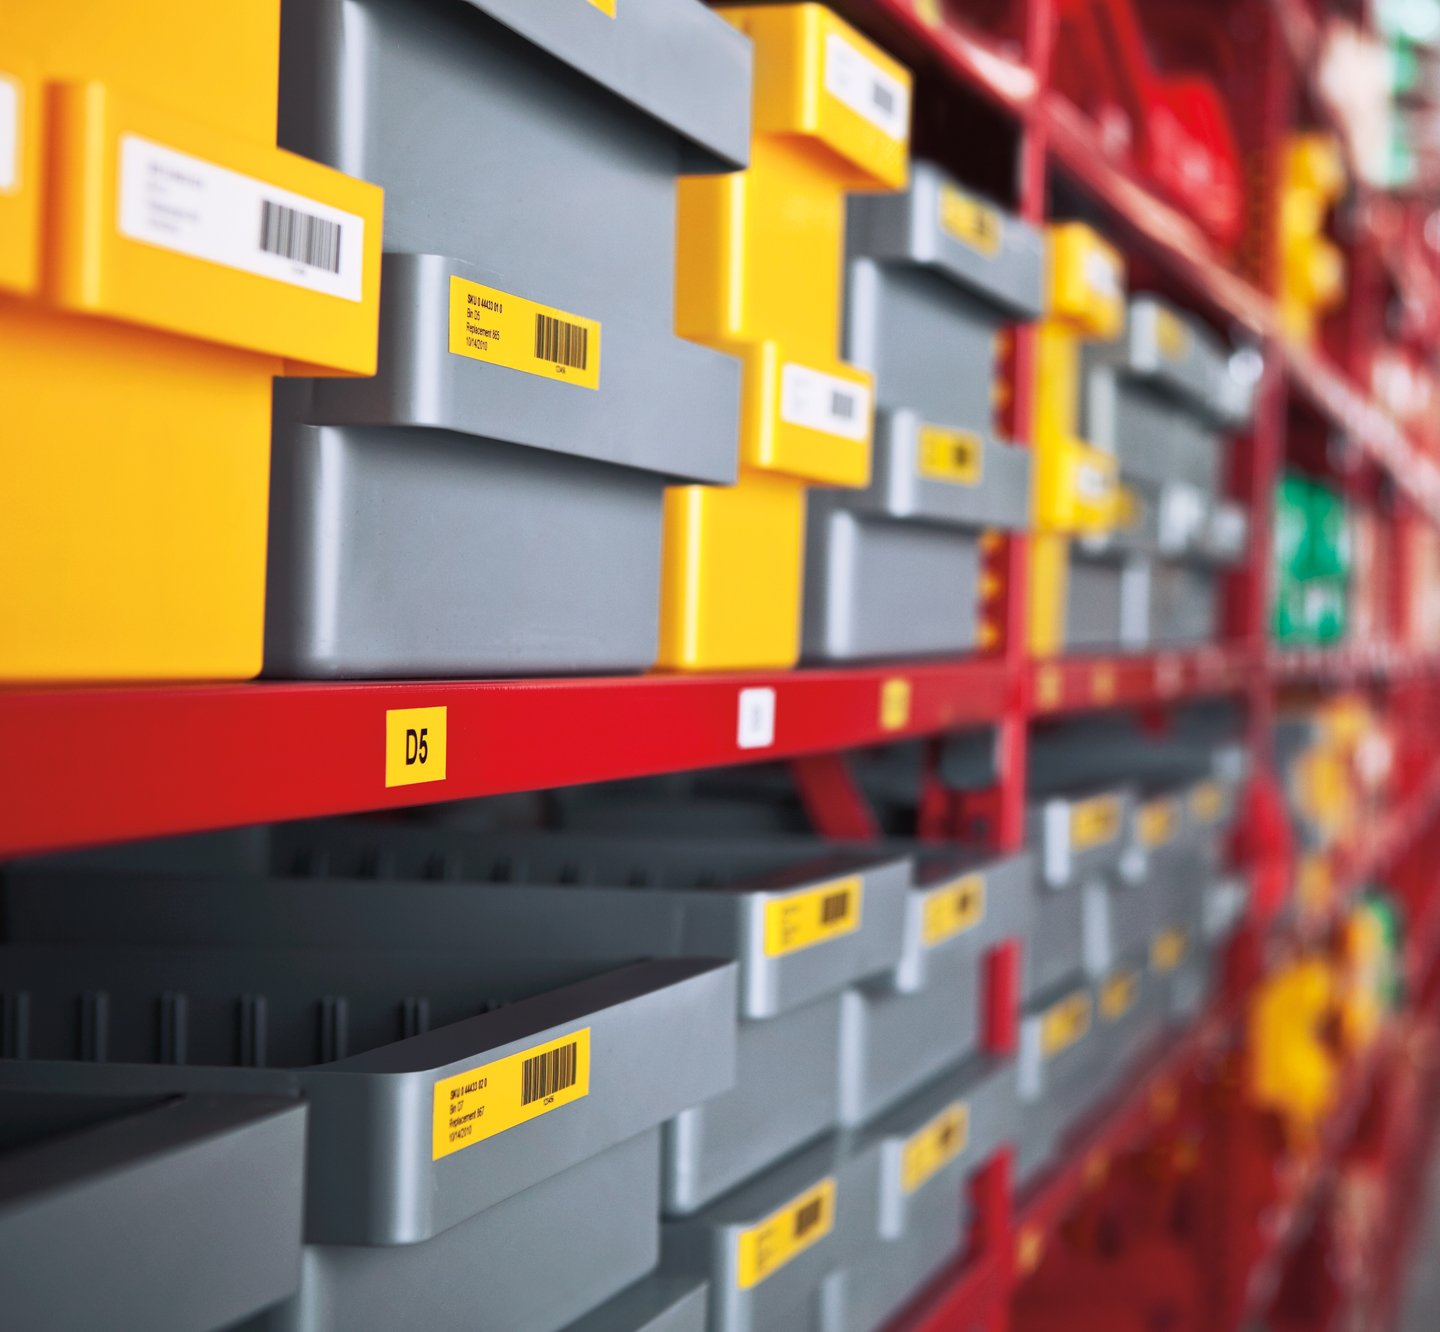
(759, 270)
(1076, 485)
(177, 261)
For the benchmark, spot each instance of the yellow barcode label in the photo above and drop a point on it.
(1171, 335)
(491, 1098)
(1167, 950)
(1065, 1023)
(1206, 802)
(1118, 993)
(929, 1150)
(1094, 822)
(895, 697)
(812, 917)
(605, 6)
(414, 746)
(1158, 823)
(496, 326)
(956, 456)
(785, 1234)
(971, 222)
(952, 909)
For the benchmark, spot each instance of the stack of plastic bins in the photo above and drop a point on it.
(934, 275)
(186, 1211)
(931, 1147)
(759, 270)
(902, 1029)
(803, 919)
(1162, 396)
(771, 1247)
(1060, 1072)
(491, 501)
(1072, 603)
(1078, 837)
(160, 262)
(454, 1161)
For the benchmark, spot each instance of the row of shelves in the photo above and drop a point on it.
(93, 765)
(1017, 1236)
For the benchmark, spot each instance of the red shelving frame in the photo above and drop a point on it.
(88, 765)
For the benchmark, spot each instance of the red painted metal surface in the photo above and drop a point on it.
(1069, 684)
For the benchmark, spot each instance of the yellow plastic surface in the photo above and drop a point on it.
(1087, 281)
(1312, 268)
(759, 268)
(1292, 1070)
(20, 183)
(134, 466)
(731, 576)
(1049, 572)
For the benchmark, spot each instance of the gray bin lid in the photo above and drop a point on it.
(1178, 356)
(910, 227)
(675, 60)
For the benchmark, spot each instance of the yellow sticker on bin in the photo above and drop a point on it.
(1118, 993)
(483, 1101)
(414, 746)
(1065, 1023)
(1158, 822)
(764, 1249)
(971, 222)
(487, 324)
(1094, 822)
(1167, 950)
(929, 1150)
(1206, 802)
(956, 456)
(952, 909)
(812, 917)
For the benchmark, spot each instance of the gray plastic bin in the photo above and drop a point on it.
(490, 501)
(931, 1147)
(604, 900)
(402, 1160)
(895, 568)
(1060, 1072)
(1131, 1015)
(769, 1246)
(1107, 599)
(659, 1303)
(162, 1213)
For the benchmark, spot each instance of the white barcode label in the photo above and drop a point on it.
(9, 135)
(1102, 275)
(827, 403)
(183, 203)
(1091, 483)
(853, 78)
(755, 722)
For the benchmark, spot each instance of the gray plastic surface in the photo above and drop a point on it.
(542, 165)
(785, 1094)
(167, 1214)
(1056, 1090)
(531, 1263)
(365, 1037)
(660, 1302)
(397, 553)
(1049, 825)
(597, 900)
(1107, 601)
(1184, 605)
(791, 1295)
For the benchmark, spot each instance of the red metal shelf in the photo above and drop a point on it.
(1348, 664)
(1071, 684)
(1079, 150)
(89, 765)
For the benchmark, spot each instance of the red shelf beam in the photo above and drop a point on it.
(82, 766)
(1070, 684)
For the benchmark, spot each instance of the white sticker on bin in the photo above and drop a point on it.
(817, 401)
(853, 78)
(1102, 275)
(755, 726)
(9, 135)
(186, 204)
(1091, 482)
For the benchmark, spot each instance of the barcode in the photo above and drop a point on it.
(834, 907)
(808, 1217)
(560, 342)
(548, 1073)
(882, 98)
(303, 237)
(842, 405)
